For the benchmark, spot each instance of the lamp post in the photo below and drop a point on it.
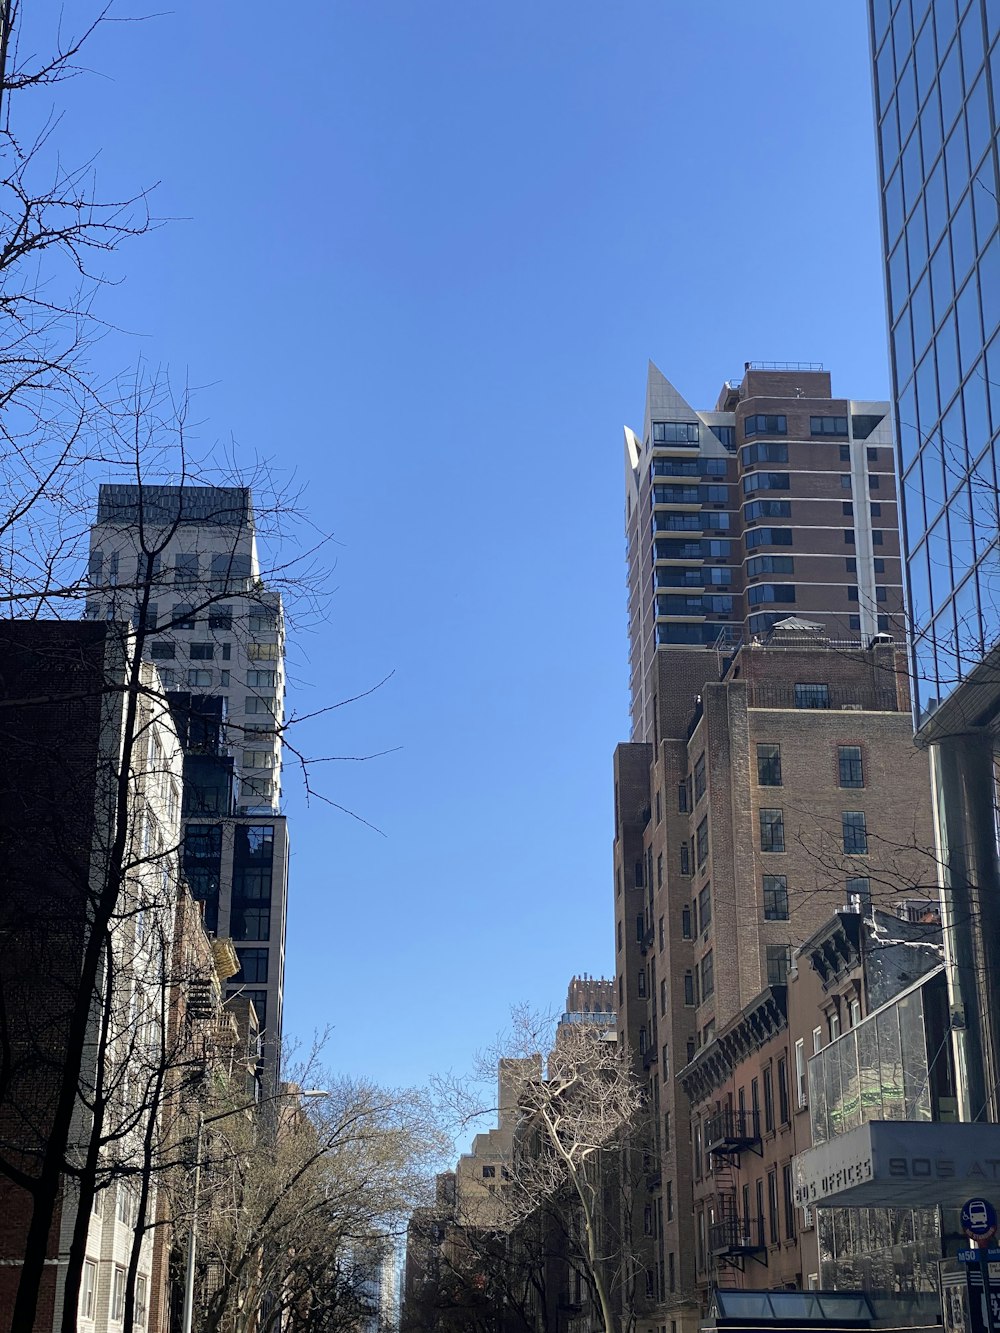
(192, 1246)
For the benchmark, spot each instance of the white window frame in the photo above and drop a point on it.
(117, 1312)
(88, 1289)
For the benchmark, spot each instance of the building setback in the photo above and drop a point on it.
(188, 556)
(937, 104)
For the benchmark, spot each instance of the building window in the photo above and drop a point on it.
(261, 680)
(801, 1083)
(489, 1172)
(827, 425)
(118, 1295)
(789, 1194)
(670, 1187)
(772, 831)
(778, 961)
(765, 481)
(855, 833)
(183, 616)
(849, 536)
(619, 937)
(253, 966)
(661, 933)
(686, 923)
(764, 453)
(263, 652)
(768, 1099)
(88, 1289)
(685, 854)
(775, 898)
(640, 928)
(682, 797)
(702, 841)
(850, 766)
(663, 997)
(859, 891)
(641, 982)
(768, 537)
(763, 424)
(772, 1206)
(770, 564)
(675, 432)
(812, 696)
(876, 510)
(162, 650)
(769, 765)
(783, 1111)
(707, 976)
(199, 679)
(848, 508)
(202, 652)
(699, 778)
(141, 1300)
(689, 988)
(766, 594)
(221, 617)
(766, 509)
(705, 908)
(659, 811)
(845, 481)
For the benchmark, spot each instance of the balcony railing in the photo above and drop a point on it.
(737, 1235)
(733, 1131)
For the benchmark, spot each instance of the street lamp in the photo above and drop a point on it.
(204, 1120)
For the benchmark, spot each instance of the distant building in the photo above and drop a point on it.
(185, 559)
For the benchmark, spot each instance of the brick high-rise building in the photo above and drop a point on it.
(771, 776)
(780, 501)
(216, 633)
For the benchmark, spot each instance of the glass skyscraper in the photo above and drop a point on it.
(937, 94)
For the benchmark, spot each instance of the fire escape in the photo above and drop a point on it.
(733, 1236)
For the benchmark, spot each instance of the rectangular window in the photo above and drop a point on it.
(88, 1289)
(769, 765)
(641, 982)
(812, 696)
(201, 680)
(220, 617)
(876, 510)
(772, 1206)
(685, 923)
(682, 801)
(783, 1110)
(689, 988)
(789, 1193)
(182, 616)
(670, 1188)
(699, 778)
(675, 432)
(855, 833)
(253, 966)
(848, 508)
(764, 453)
(258, 759)
(185, 568)
(702, 839)
(141, 1300)
(661, 933)
(705, 908)
(766, 509)
(768, 537)
(489, 1172)
(118, 1295)
(850, 766)
(772, 831)
(778, 961)
(827, 425)
(768, 1099)
(707, 975)
(765, 481)
(801, 1082)
(685, 853)
(763, 424)
(261, 680)
(859, 891)
(263, 652)
(659, 870)
(849, 536)
(202, 652)
(162, 650)
(775, 898)
(770, 564)
(640, 928)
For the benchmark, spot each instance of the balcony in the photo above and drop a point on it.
(735, 1237)
(730, 1132)
(646, 943)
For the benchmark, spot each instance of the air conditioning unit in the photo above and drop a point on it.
(807, 1218)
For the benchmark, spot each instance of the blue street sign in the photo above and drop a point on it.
(992, 1255)
(979, 1219)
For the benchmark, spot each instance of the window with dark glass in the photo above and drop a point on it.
(726, 435)
(769, 765)
(859, 890)
(789, 1193)
(778, 958)
(182, 616)
(768, 537)
(827, 425)
(686, 923)
(812, 696)
(162, 649)
(689, 988)
(767, 509)
(253, 965)
(764, 424)
(768, 1099)
(764, 452)
(699, 777)
(640, 928)
(638, 875)
(850, 767)
(772, 1206)
(784, 1114)
(770, 564)
(772, 831)
(855, 832)
(675, 432)
(685, 858)
(765, 481)
(705, 908)
(682, 802)
(761, 594)
(775, 898)
(641, 982)
(702, 841)
(707, 976)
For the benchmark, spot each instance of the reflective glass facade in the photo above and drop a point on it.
(937, 93)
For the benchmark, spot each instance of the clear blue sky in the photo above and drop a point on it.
(424, 251)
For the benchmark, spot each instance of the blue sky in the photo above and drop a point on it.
(422, 251)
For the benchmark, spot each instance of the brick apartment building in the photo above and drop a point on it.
(771, 776)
